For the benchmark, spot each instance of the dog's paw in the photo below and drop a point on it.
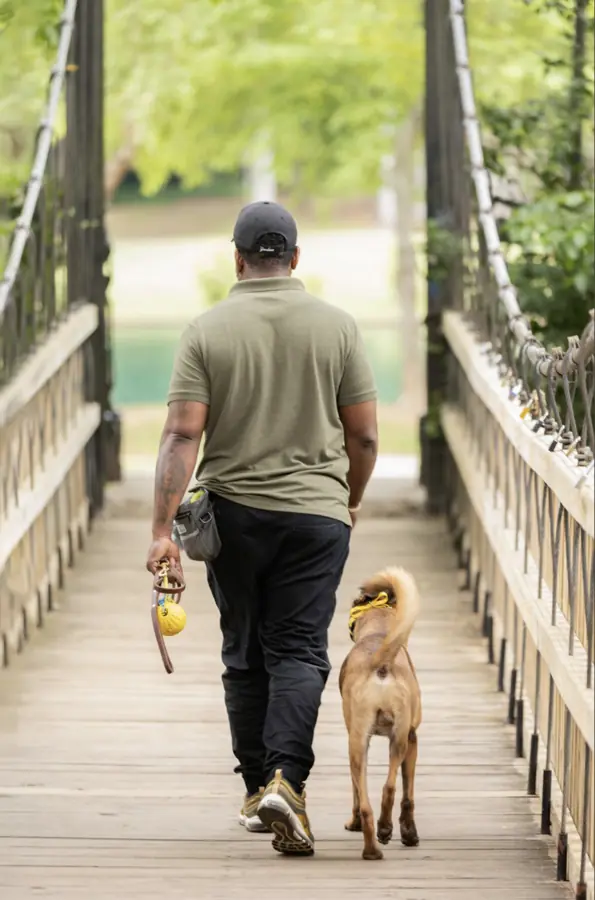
(409, 836)
(354, 823)
(384, 832)
(372, 853)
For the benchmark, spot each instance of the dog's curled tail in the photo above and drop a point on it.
(400, 584)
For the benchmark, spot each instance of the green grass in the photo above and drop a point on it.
(143, 359)
(142, 427)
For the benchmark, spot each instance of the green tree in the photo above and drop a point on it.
(334, 85)
(328, 83)
(546, 141)
(28, 39)
(192, 86)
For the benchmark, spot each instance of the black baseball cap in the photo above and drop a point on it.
(264, 217)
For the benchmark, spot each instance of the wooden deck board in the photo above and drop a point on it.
(115, 779)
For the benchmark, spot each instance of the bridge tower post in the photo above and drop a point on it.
(85, 110)
(441, 139)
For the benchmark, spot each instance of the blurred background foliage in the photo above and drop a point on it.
(194, 87)
(331, 93)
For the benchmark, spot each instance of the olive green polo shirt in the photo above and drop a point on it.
(274, 364)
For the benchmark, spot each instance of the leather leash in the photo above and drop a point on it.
(168, 582)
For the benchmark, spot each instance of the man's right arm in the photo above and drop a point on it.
(361, 443)
(357, 410)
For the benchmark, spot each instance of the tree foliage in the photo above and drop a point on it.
(551, 253)
(28, 40)
(546, 142)
(197, 87)
(508, 43)
(193, 87)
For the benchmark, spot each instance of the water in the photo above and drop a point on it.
(143, 359)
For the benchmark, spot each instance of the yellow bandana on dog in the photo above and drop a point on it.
(377, 602)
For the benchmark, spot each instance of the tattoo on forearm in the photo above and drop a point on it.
(177, 458)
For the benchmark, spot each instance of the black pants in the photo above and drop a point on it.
(274, 584)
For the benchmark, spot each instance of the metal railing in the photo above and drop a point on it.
(515, 473)
(55, 375)
(489, 299)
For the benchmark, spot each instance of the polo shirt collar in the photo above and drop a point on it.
(259, 285)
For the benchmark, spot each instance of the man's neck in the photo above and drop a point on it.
(257, 276)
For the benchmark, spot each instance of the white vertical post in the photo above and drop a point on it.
(261, 178)
(386, 199)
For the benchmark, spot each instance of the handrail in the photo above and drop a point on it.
(55, 374)
(517, 464)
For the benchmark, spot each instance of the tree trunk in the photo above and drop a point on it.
(386, 201)
(116, 170)
(261, 180)
(413, 386)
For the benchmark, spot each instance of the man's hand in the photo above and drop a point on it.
(163, 550)
(177, 458)
(353, 513)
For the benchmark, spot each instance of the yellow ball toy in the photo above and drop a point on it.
(171, 618)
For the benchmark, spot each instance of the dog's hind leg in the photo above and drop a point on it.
(409, 835)
(358, 760)
(385, 823)
(355, 822)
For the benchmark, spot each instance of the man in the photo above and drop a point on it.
(280, 384)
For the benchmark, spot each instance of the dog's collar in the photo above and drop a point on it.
(377, 602)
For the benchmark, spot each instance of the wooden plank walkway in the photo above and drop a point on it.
(115, 779)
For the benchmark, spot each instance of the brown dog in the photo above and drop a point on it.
(381, 696)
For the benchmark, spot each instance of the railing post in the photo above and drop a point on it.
(433, 445)
(104, 451)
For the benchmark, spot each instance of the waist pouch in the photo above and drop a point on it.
(195, 529)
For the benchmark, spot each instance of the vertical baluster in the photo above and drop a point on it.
(581, 887)
(488, 616)
(589, 595)
(513, 674)
(507, 452)
(528, 511)
(562, 862)
(546, 791)
(541, 509)
(520, 706)
(534, 750)
(572, 579)
(518, 495)
(556, 562)
(503, 645)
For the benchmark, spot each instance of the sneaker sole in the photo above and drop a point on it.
(253, 824)
(290, 837)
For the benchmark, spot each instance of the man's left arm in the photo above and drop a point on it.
(178, 451)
